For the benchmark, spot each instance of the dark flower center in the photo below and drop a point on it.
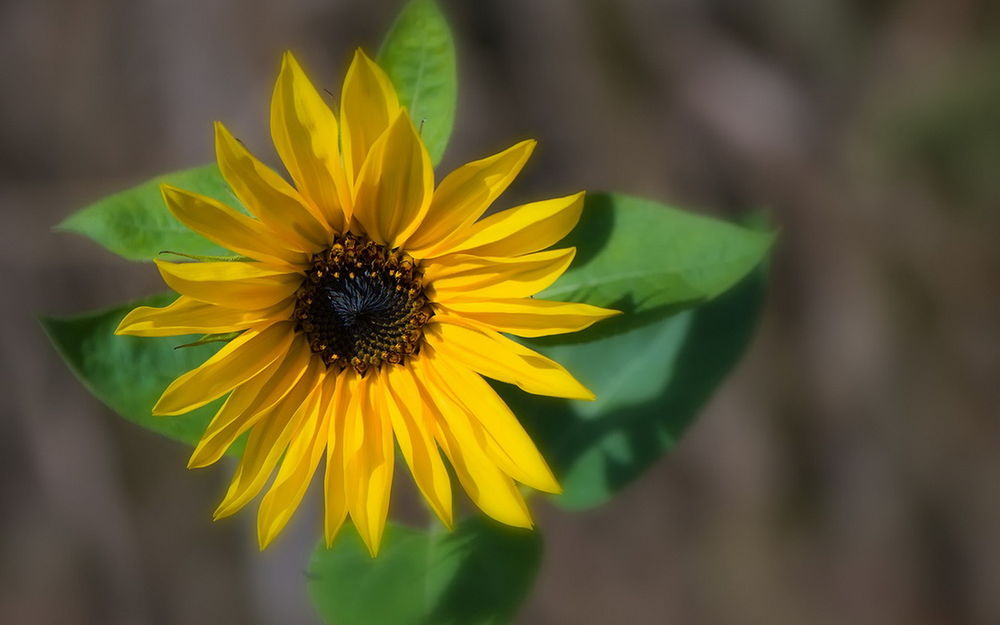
(362, 305)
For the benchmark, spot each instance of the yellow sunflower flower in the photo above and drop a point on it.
(369, 306)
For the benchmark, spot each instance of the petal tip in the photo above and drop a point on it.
(266, 533)
(222, 511)
(197, 459)
(174, 197)
(373, 548)
(169, 190)
(159, 410)
(221, 132)
(288, 60)
(361, 55)
(528, 146)
(525, 521)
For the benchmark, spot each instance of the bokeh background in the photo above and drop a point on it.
(849, 470)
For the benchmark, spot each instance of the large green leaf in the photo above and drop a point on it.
(653, 368)
(128, 373)
(476, 575)
(646, 259)
(419, 56)
(136, 225)
(650, 381)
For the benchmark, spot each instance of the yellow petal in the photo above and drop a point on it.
(232, 230)
(463, 276)
(242, 286)
(394, 187)
(233, 418)
(520, 230)
(189, 316)
(305, 135)
(416, 440)
(340, 388)
(465, 194)
(297, 469)
(500, 358)
(268, 196)
(249, 402)
(238, 361)
(488, 487)
(505, 440)
(529, 317)
(267, 442)
(368, 463)
(368, 105)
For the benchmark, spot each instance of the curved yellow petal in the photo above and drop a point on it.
(465, 194)
(305, 134)
(249, 402)
(394, 187)
(495, 277)
(416, 440)
(519, 230)
(232, 230)
(505, 439)
(238, 361)
(368, 462)
(500, 358)
(190, 316)
(489, 488)
(529, 317)
(297, 468)
(368, 104)
(340, 388)
(267, 442)
(266, 194)
(234, 413)
(243, 286)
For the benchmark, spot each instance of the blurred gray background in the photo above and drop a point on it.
(848, 472)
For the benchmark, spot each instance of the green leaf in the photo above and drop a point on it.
(129, 373)
(653, 368)
(647, 259)
(220, 337)
(476, 575)
(136, 225)
(234, 258)
(650, 381)
(419, 56)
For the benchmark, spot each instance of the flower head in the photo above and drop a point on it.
(369, 305)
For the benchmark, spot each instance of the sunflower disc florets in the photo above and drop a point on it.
(362, 305)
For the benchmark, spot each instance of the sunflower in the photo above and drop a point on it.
(366, 305)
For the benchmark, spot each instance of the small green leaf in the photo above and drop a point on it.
(129, 373)
(419, 56)
(135, 224)
(646, 259)
(650, 380)
(221, 337)
(234, 258)
(476, 575)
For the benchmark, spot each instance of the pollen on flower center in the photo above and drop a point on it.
(362, 305)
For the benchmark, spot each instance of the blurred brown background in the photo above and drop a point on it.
(847, 473)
